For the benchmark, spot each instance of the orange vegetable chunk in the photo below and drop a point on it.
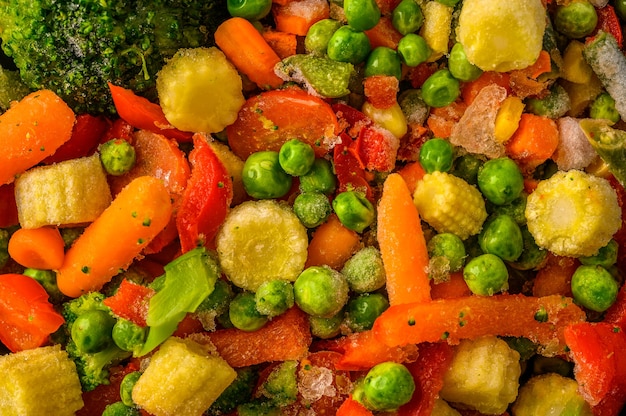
(534, 141)
(332, 244)
(38, 248)
(299, 15)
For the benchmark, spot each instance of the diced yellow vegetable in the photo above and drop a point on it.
(508, 117)
(484, 375)
(72, 192)
(40, 381)
(234, 166)
(437, 28)
(183, 379)
(550, 394)
(442, 408)
(450, 204)
(581, 95)
(575, 69)
(391, 118)
(573, 213)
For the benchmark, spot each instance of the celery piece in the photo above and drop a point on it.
(609, 143)
(323, 75)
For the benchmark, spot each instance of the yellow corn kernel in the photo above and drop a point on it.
(450, 204)
(575, 69)
(391, 118)
(508, 117)
(437, 28)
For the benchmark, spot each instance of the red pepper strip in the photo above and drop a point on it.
(144, 114)
(131, 302)
(616, 314)
(350, 174)
(8, 207)
(351, 407)
(26, 317)
(206, 199)
(86, 135)
(609, 22)
(119, 129)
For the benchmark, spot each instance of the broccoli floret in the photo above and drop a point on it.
(11, 88)
(239, 392)
(75, 47)
(93, 368)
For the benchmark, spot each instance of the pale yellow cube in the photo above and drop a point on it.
(183, 379)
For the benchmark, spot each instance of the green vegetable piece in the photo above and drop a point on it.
(354, 210)
(312, 208)
(440, 89)
(274, 297)
(362, 310)
(219, 299)
(466, 167)
(319, 34)
(620, 8)
(594, 287)
(326, 328)
(605, 257)
(502, 236)
(516, 209)
(91, 331)
(449, 247)
(188, 280)
(296, 157)
(243, 313)
(386, 387)
(238, 392)
(70, 234)
(576, 19)
(603, 107)
(486, 274)
(321, 291)
(407, 17)
(532, 256)
(320, 178)
(557, 365)
(249, 9)
(436, 155)
(348, 45)
(450, 3)
(47, 279)
(383, 61)
(413, 49)
(525, 347)
(259, 408)
(263, 178)
(129, 336)
(313, 70)
(500, 180)
(550, 393)
(460, 67)
(281, 386)
(117, 156)
(361, 14)
(609, 143)
(364, 271)
(12, 88)
(126, 387)
(120, 409)
(554, 105)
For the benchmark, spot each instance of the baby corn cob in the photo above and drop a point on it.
(450, 204)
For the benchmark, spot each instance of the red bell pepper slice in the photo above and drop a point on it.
(206, 199)
(86, 136)
(27, 318)
(609, 23)
(119, 129)
(8, 207)
(144, 114)
(350, 175)
(131, 302)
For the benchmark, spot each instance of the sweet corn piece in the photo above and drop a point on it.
(391, 118)
(437, 28)
(573, 213)
(450, 204)
(484, 375)
(581, 95)
(40, 381)
(183, 379)
(575, 68)
(508, 117)
(442, 408)
(550, 394)
(67, 193)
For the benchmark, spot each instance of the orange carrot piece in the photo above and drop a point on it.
(381, 90)
(245, 47)
(542, 65)
(110, 244)
(555, 278)
(442, 119)
(38, 248)
(286, 337)
(362, 350)
(332, 244)
(351, 407)
(474, 316)
(299, 15)
(402, 244)
(470, 90)
(534, 141)
(412, 173)
(453, 288)
(384, 34)
(284, 44)
(31, 130)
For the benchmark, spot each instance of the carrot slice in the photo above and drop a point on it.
(110, 244)
(37, 248)
(332, 244)
(402, 244)
(351, 407)
(299, 15)
(534, 141)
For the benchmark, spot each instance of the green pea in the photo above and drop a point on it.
(47, 279)
(486, 274)
(320, 178)
(348, 45)
(407, 17)
(91, 331)
(516, 208)
(219, 299)
(361, 14)
(120, 409)
(386, 387)
(532, 256)
(362, 310)
(274, 297)
(594, 287)
(249, 9)
(129, 336)
(413, 49)
(319, 34)
(117, 156)
(436, 155)
(605, 257)
(576, 19)
(365, 271)
(326, 328)
(466, 167)
(296, 157)
(460, 67)
(126, 387)
(263, 178)
(440, 89)
(321, 291)
(312, 208)
(383, 61)
(603, 107)
(500, 180)
(354, 210)
(243, 313)
(450, 247)
(502, 236)
(620, 8)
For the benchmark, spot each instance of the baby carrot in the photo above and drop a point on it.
(110, 244)
(402, 244)
(37, 248)
(31, 130)
(245, 47)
